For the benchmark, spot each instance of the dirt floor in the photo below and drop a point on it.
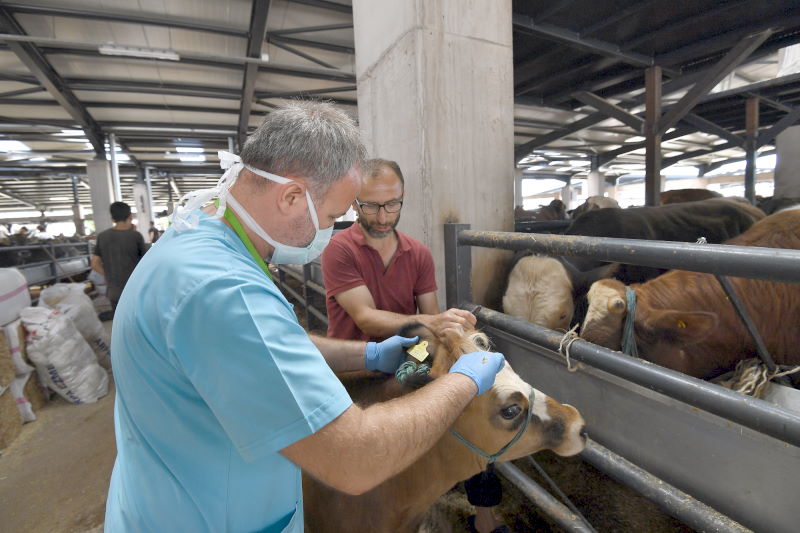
(54, 475)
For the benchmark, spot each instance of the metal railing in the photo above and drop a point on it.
(50, 265)
(303, 274)
(617, 370)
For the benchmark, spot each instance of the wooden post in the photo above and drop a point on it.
(652, 179)
(751, 125)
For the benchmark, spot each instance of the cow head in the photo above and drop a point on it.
(662, 334)
(493, 419)
(540, 291)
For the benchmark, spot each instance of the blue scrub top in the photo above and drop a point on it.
(214, 376)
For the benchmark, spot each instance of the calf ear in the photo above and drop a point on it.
(681, 327)
(418, 330)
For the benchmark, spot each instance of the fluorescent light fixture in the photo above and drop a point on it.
(119, 156)
(634, 139)
(37, 159)
(14, 146)
(139, 52)
(69, 132)
(59, 199)
(189, 149)
(194, 158)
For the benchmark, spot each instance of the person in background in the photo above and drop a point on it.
(118, 251)
(153, 233)
(42, 233)
(378, 279)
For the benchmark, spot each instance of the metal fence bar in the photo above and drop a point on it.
(673, 501)
(550, 506)
(742, 261)
(750, 412)
(303, 297)
(458, 266)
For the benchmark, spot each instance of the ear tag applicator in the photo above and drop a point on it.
(419, 351)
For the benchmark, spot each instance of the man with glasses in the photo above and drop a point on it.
(378, 279)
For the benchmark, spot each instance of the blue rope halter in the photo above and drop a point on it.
(493, 457)
(629, 346)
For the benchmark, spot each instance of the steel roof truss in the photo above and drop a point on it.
(610, 109)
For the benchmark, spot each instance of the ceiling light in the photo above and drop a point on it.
(37, 159)
(69, 132)
(635, 139)
(133, 51)
(14, 146)
(189, 149)
(59, 199)
(194, 158)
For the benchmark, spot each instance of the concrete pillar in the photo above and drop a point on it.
(787, 167)
(98, 173)
(595, 183)
(435, 93)
(517, 188)
(143, 213)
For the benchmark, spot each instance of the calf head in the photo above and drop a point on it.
(493, 419)
(540, 291)
(662, 334)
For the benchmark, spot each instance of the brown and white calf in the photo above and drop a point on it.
(490, 421)
(684, 321)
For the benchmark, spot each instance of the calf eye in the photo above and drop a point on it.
(512, 411)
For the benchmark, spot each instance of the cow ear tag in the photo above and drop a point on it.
(419, 351)
(681, 324)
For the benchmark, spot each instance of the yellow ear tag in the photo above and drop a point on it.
(681, 324)
(419, 351)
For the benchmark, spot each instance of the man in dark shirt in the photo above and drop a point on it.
(118, 251)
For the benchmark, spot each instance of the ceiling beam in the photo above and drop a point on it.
(789, 120)
(131, 17)
(522, 151)
(256, 36)
(325, 4)
(712, 77)
(696, 153)
(292, 50)
(610, 155)
(311, 29)
(21, 199)
(50, 80)
(610, 109)
(526, 24)
(709, 127)
(272, 38)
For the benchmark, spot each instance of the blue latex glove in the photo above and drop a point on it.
(388, 355)
(481, 367)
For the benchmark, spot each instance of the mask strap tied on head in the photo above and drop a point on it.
(186, 216)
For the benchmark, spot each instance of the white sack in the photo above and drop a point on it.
(64, 360)
(73, 302)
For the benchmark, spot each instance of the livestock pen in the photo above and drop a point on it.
(715, 459)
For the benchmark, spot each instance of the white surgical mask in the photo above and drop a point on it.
(185, 217)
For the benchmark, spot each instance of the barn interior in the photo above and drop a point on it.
(494, 111)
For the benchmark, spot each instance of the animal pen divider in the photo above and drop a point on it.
(706, 455)
(303, 274)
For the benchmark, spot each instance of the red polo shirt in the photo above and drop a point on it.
(348, 261)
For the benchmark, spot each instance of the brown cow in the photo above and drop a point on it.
(679, 196)
(490, 421)
(684, 321)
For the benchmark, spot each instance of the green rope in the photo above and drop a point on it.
(410, 368)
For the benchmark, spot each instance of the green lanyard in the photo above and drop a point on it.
(237, 227)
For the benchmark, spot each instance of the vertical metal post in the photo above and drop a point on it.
(53, 266)
(306, 277)
(112, 148)
(149, 191)
(652, 180)
(230, 145)
(77, 216)
(751, 124)
(457, 266)
(566, 193)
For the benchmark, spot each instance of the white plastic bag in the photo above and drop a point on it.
(72, 301)
(64, 360)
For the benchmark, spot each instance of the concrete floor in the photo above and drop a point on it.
(54, 476)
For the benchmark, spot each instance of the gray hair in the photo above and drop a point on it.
(372, 167)
(306, 138)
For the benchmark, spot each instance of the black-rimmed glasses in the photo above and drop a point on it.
(369, 208)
